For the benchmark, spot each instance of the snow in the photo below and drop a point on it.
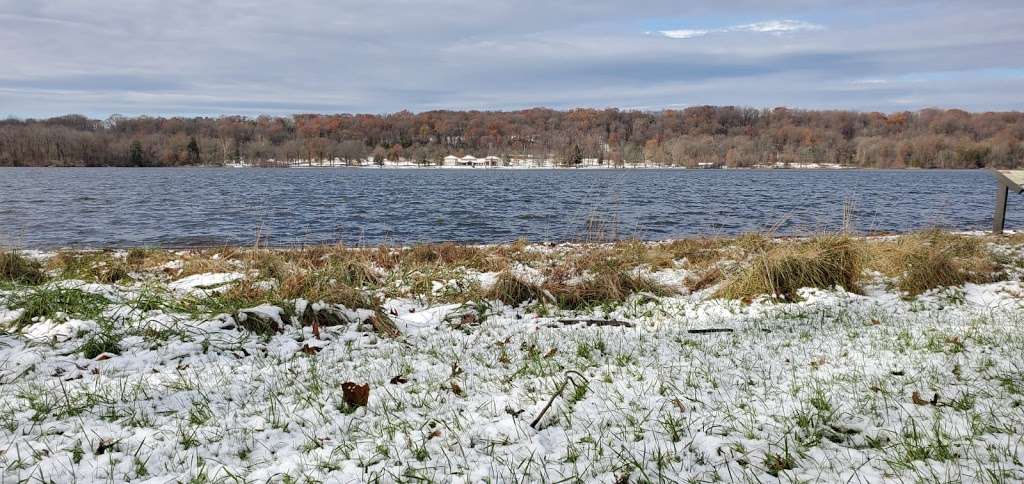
(826, 382)
(200, 282)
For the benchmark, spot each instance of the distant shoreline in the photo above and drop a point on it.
(517, 168)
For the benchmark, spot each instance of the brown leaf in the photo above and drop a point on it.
(918, 399)
(551, 353)
(103, 356)
(316, 329)
(436, 433)
(398, 380)
(310, 350)
(456, 370)
(468, 319)
(456, 389)
(105, 444)
(679, 404)
(356, 395)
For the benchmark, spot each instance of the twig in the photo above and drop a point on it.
(710, 330)
(561, 388)
(597, 322)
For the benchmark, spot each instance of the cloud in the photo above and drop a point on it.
(212, 57)
(776, 27)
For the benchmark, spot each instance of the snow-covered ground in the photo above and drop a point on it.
(838, 387)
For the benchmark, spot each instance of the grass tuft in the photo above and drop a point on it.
(604, 287)
(932, 259)
(512, 290)
(55, 303)
(19, 269)
(824, 262)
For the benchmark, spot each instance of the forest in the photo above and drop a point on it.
(729, 136)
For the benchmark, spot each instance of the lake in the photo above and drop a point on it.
(177, 207)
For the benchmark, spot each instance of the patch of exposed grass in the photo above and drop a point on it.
(780, 270)
(601, 288)
(513, 290)
(932, 259)
(454, 254)
(19, 269)
(101, 266)
(103, 341)
(55, 303)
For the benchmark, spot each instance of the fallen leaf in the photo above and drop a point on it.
(105, 444)
(316, 329)
(398, 380)
(310, 350)
(103, 356)
(918, 399)
(468, 319)
(436, 433)
(456, 370)
(551, 353)
(355, 395)
(456, 389)
(679, 404)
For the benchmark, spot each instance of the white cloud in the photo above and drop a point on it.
(684, 33)
(776, 27)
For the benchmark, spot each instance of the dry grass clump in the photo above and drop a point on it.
(705, 279)
(320, 286)
(780, 270)
(513, 290)
(99, 266)
(931, 259)
(697, 252)
(20, 269)
(202, 262)
(624, 255)
(602, 288)
(451, 254)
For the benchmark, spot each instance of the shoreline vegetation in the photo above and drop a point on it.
(753, 358)
(699, 136)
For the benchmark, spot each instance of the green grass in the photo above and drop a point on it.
(55, 303)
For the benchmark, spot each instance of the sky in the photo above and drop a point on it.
(251, 57)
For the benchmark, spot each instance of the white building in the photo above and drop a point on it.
(494, 161)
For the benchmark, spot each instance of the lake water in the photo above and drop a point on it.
(118, 207)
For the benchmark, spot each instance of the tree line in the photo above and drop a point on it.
(731, 136)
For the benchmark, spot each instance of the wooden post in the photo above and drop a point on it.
(1000, 214)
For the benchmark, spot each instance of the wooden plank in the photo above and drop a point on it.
(999, 217)
(1012, 178)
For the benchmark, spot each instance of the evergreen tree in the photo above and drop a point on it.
(193, 152)
(136, 155)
